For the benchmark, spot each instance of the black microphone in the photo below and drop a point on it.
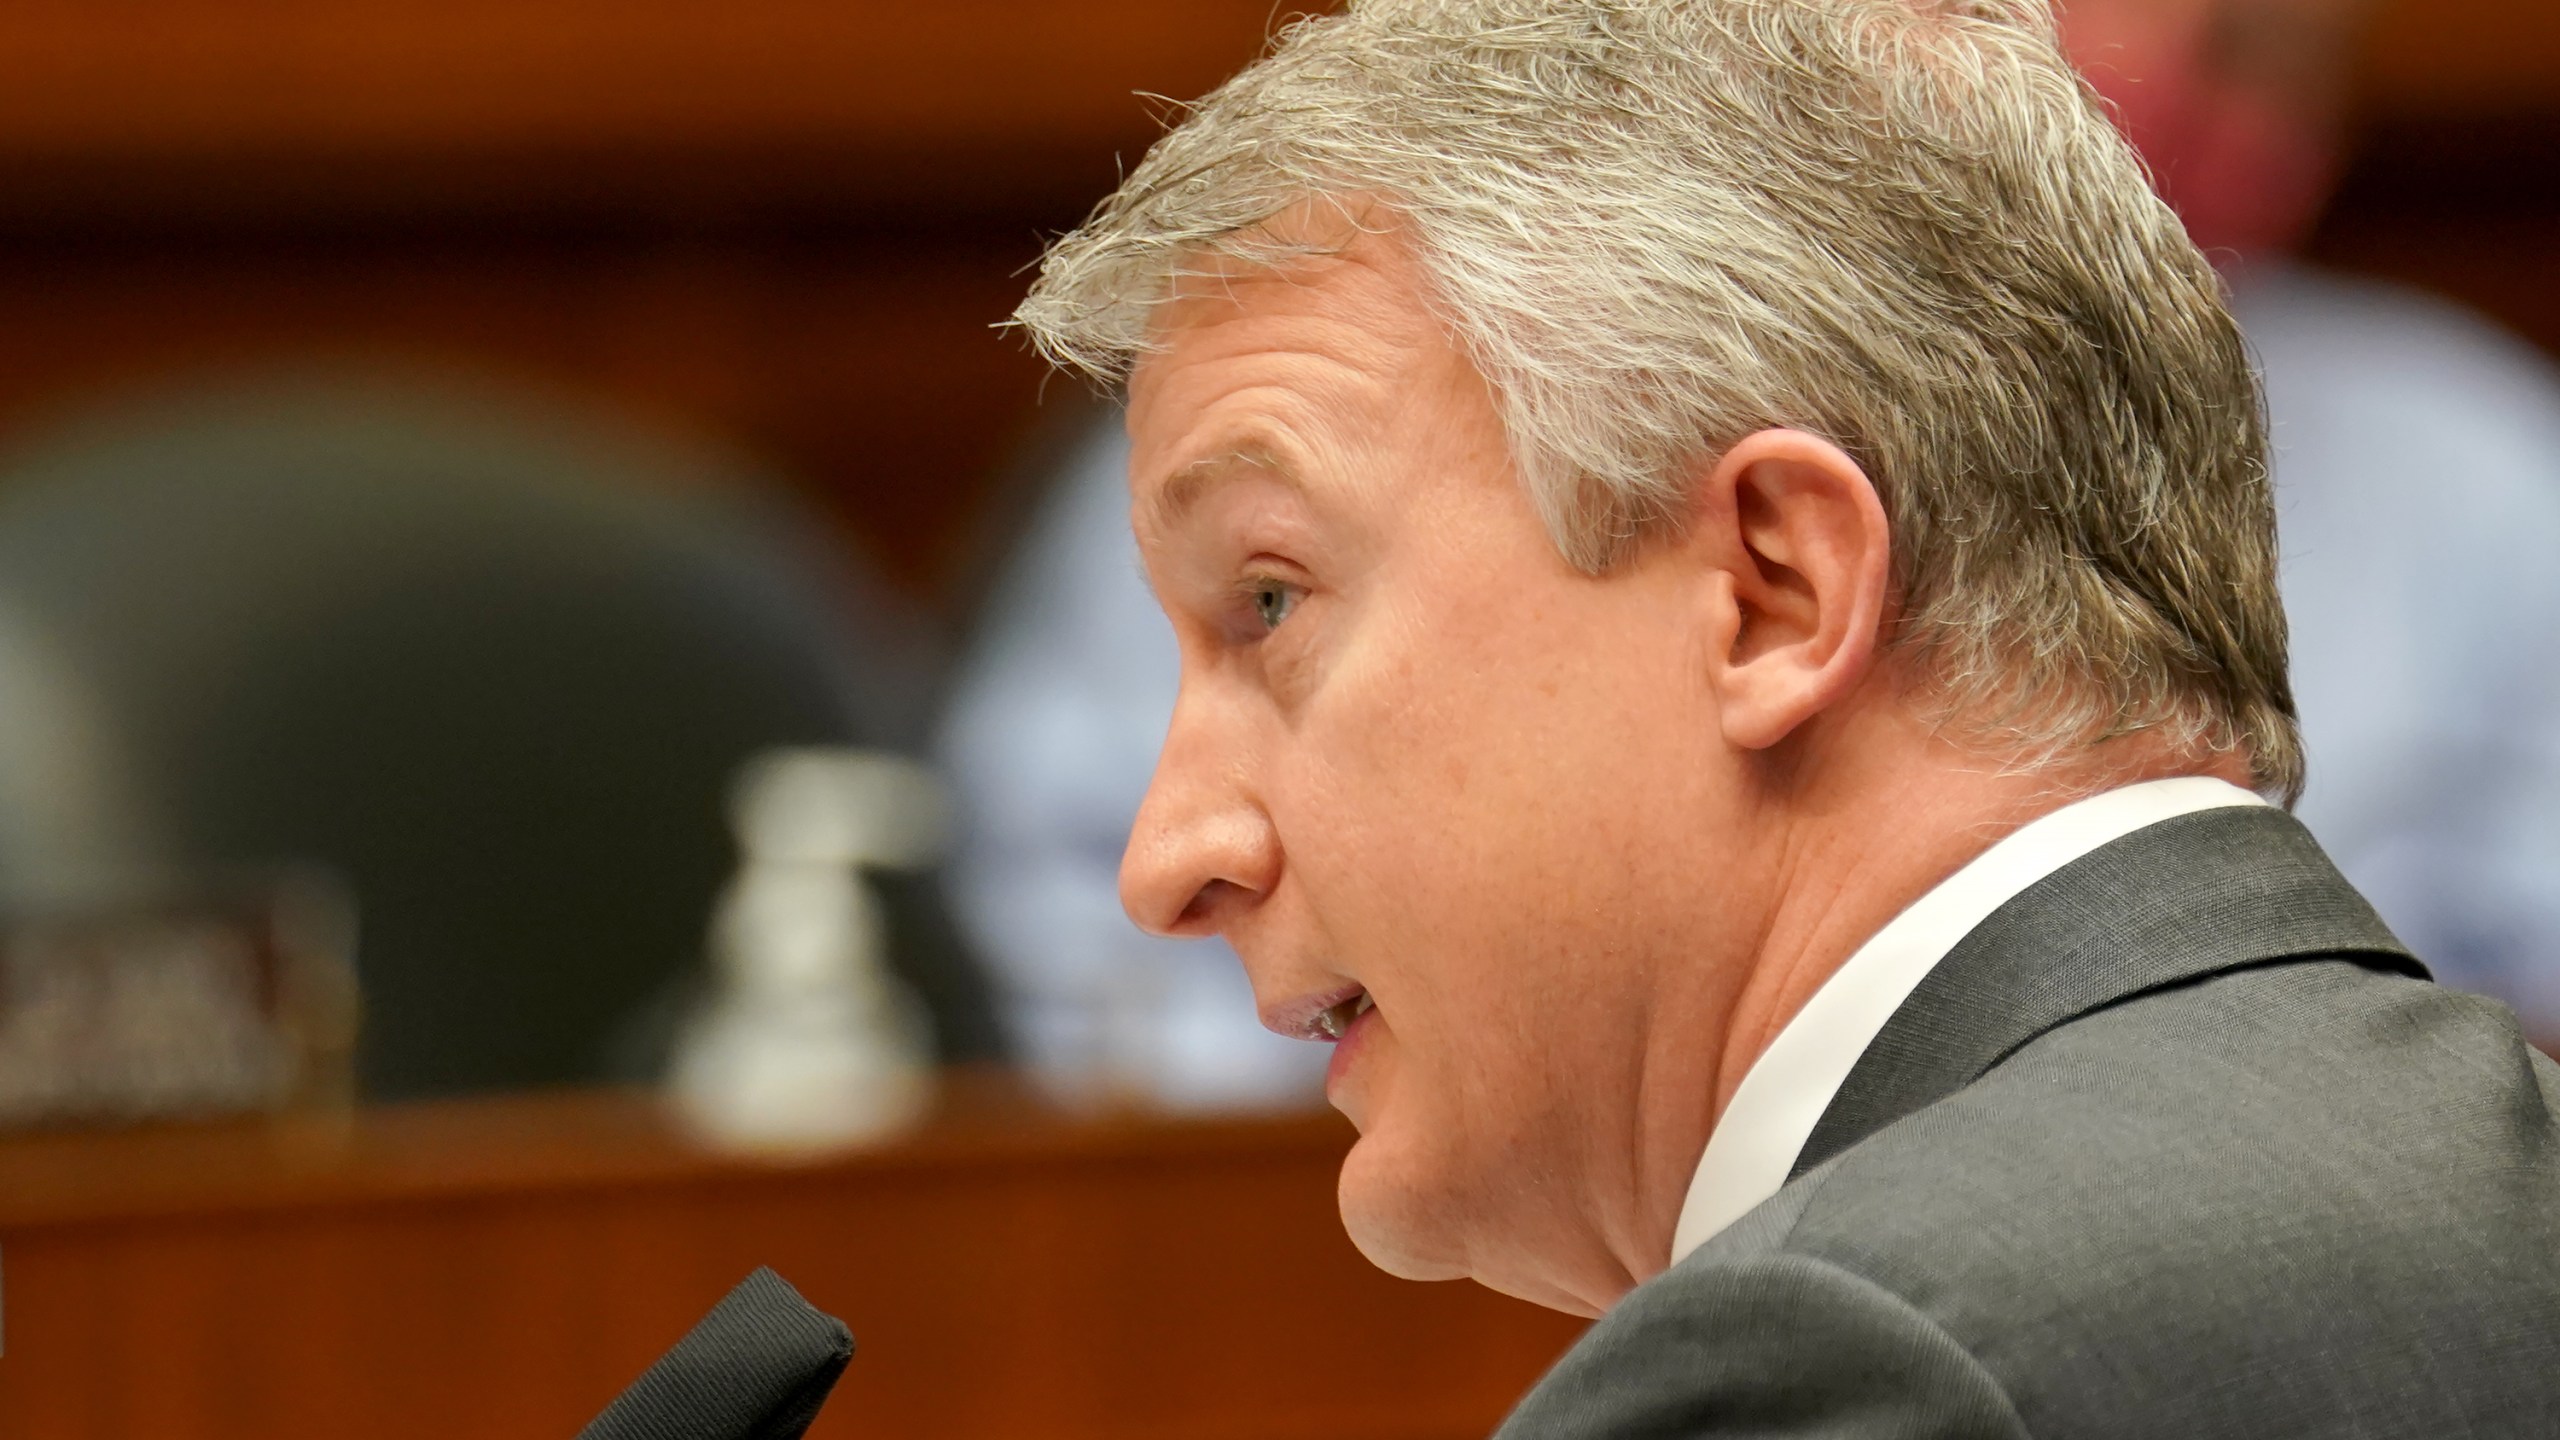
(758, 1367)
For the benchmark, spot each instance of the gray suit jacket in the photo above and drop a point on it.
(2178, 1143)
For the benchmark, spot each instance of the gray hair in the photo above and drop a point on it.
(1658, 226)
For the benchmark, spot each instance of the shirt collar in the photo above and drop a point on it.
(1783, 1096)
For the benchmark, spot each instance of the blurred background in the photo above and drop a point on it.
(530, 581)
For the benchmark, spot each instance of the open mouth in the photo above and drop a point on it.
(1334, 1021)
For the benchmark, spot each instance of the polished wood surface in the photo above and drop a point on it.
(501, 1268)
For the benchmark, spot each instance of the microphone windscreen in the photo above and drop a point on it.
(756, 1368)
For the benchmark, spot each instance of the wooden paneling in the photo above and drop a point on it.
(501, 1269)
(184, 74)
(381, 76)
(565, 101)
(792, 223)
(789, 225)
(866, 371)
(2456, 56)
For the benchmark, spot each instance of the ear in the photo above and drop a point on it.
(1803, 557)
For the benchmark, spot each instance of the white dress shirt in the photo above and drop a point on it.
(1780, 1101)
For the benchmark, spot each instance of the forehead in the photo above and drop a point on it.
(1348, 304)
(1269, 361)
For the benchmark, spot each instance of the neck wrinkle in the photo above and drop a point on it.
(1822, 921)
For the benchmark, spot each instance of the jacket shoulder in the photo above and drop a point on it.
(1772, 1344)
(2303, 1199)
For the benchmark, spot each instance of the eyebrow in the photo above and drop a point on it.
(1185, 488)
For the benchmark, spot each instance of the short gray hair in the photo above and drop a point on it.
(1658, 226)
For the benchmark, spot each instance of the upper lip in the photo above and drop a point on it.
(1304, 1018)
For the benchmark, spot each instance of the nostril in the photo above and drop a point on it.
(1208, 908)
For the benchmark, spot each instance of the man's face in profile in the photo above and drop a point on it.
(1448, 796)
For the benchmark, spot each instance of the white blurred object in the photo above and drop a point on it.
(1050, 738)
(69, 812)
(808, 1042)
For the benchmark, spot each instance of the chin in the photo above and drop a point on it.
(1409, 1214)
(1400, 1226)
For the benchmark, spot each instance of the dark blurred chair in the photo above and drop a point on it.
(491, 663)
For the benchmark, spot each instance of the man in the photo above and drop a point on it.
(1726, 588)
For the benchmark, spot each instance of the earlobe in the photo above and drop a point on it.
(1805, 550)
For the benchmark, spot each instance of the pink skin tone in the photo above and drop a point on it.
(2235, 103)
(1585, 842)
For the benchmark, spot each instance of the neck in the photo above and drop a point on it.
(1890, 812)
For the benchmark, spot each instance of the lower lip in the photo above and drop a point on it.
(1345, 1049)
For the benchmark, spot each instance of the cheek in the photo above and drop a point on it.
(1466, 804)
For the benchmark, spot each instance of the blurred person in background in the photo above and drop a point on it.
(1049, 739)
(2417, 467)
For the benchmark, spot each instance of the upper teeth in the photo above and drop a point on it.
(1335, 1021)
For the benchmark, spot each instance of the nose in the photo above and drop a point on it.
(1203, 852)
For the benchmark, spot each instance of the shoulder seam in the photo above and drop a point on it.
(1898, 1301)
(1813, 1181)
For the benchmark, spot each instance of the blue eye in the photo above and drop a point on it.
(1272, 601)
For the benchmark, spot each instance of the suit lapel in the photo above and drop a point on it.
(2196, 896)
